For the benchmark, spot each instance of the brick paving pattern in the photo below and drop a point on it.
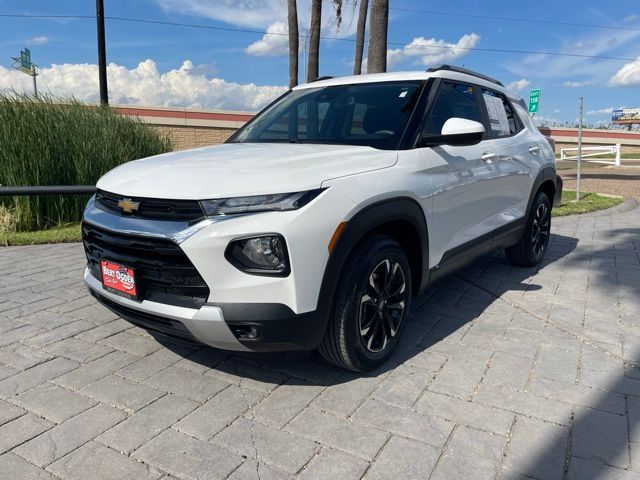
(503, 373)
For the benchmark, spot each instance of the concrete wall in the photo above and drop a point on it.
(196, 128)
(189, 128)
(568, 138)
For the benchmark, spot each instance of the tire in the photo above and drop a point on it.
(370, 309)
(530, 250)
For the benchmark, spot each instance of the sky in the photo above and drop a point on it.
(224, 68)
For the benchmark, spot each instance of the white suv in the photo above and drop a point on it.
(317, 222)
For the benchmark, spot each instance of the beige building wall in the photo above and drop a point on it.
(186, 137)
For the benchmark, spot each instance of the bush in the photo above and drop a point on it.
(48, 142)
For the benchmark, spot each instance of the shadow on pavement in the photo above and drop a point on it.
(441, 304)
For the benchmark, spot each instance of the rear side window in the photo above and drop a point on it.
(502, 120)
(453, 100)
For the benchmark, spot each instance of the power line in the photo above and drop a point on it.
(351, 40)
(508, 19)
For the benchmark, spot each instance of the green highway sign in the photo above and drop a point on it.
(534, 100)
(25, 60)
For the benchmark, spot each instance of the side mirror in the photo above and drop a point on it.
(457, 132)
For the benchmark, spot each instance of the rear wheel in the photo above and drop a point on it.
(530, 250)
(371, 307)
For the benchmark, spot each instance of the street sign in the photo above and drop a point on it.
(25, 60)
(534, 100)
(24, 64)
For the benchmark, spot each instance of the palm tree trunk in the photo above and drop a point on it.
(293, 43)
(362, 25)
(314, 40)
(378, 25)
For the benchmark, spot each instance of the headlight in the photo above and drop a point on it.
(263, 255)
(258, 203)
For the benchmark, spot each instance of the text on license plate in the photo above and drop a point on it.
(117, 278)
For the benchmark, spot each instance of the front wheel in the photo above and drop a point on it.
(530, 250)
(371, 308)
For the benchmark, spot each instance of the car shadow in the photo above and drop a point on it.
(594, 439)
(437, 314)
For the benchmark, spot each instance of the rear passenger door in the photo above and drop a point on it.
(464, 204)
(507, 143)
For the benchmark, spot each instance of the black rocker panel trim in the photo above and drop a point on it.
(466, 253)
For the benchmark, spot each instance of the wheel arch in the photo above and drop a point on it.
(546, 182)
(400, 218)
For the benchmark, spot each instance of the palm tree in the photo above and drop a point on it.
(362, 25)
(314, 40)
(378, 25)
(293, 43)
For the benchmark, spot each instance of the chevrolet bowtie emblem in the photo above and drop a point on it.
(127, 205)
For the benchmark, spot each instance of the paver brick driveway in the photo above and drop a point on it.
(503, 372)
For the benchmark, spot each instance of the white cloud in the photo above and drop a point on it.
(630, 18)
(144, 85)
(602, 111)
(566, 68)
(275, 42)
(518, 85)
(433, 51)
(248, 13)
(627, 76)
(40, 40)
(574, 84)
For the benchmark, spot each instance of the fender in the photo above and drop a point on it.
(547, 173)
(363, 222)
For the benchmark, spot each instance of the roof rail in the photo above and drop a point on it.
(453, 68)
(326, 77)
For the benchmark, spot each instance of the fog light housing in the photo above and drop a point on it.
(261, 255)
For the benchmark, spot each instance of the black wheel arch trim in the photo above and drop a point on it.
(365, 221)
(545, 174)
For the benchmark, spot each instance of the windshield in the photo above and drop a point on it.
(371, 114)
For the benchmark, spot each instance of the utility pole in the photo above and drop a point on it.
(581, 108)
(102, 54)
(34, 74)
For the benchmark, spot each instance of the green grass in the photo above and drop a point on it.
(61, 234)
(589, 202)
(49, 141)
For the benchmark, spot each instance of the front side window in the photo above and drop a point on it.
(453, 100)
(371, 114)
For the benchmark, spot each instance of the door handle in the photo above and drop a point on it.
(488, 157)
(534, 149)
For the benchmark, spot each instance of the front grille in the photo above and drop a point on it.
(148, 321)
(152, 208)
(163, 272)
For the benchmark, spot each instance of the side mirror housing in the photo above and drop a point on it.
(457, 132)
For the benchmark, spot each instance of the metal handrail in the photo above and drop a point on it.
(47, 190)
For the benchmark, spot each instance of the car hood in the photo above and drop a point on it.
(238, 169)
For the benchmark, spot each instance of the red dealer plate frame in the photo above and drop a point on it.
(119, 279)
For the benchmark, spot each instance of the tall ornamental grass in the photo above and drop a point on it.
(46, 141)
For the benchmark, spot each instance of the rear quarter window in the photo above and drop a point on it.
(501, 116)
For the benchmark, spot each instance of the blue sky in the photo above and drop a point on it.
(226, 69)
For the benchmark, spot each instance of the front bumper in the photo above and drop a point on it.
(286, 311)
(279, 328)
(205, 324)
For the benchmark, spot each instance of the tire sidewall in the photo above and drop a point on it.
(375, 253)
(541, 198)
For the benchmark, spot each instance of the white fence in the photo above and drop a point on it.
(593, 152)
